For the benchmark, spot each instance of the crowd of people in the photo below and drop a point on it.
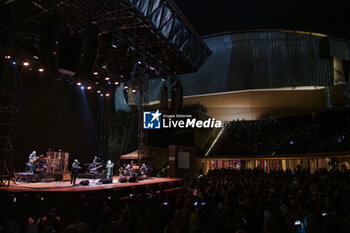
(221, 201)
(279, 201)
(326, 131)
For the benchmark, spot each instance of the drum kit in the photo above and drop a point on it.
(48, 165)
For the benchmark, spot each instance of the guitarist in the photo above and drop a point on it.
(32, 158)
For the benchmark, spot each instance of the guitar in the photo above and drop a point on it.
(95, 168)
(35, 158)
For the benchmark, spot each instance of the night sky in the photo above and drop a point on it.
(209, 16)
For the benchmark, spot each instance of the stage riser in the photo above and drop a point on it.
(120, 190)
(35, 178)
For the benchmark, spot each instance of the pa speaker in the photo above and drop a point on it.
(164, 102)
(84, 183)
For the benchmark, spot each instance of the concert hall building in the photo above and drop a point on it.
(258, 76)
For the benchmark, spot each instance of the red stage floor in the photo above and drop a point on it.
(65, 186)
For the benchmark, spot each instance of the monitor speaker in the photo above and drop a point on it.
(123, 179)
(105, 181)
(84, 183)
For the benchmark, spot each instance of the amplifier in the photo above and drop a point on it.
(66, 177)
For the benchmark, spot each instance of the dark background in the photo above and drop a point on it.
(54, 115)
(209, 16)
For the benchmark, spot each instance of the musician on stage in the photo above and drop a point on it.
(127, 170)
(31, 159)
(109, 167)
(121, 172)
(144, 170)
(93, 168)
(96, 161)
(75, 169)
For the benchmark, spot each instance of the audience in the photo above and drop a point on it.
(220, 201)
(328, 131)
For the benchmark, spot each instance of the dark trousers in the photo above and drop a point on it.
(73, 177)
(109, 173)
(31, 167)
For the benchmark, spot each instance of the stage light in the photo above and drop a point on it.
(109, 83)
(30, 69)
(122, 76)
(26, 63)
(107, 78)
(8, 57)
(54, 53)
(14, 63)
(116, 83)
(101, 94)
(95, 73)
(126, 87)
(163, 79)
(82, 87)
(41, 70)
(134, 91)
(36, 57)
(139, 62)
(89, 88)
(151, 68)
(78, 83)
(107, 94)
(97, 83)
(98, 91)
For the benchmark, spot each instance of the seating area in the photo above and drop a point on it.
(326, 131)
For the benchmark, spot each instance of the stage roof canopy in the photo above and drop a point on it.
(132, 155)
(156, 29)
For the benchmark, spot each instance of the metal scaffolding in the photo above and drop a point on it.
(10, 86)
(152, 33)
(142, 134)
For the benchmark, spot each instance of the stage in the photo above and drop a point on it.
(155, 183)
